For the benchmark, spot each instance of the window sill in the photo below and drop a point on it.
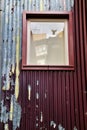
(62, 67)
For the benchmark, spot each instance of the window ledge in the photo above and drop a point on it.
(53, 67)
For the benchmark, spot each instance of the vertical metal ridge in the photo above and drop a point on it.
(68, 101)
(59, 98)
(83, 85)
(77, 116)
(72, 99)
(84, 17)
(63, 96)
(55, 86)
(79, 63)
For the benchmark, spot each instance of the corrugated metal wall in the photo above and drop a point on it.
(86, 37)
(64, 103)
(62, 94)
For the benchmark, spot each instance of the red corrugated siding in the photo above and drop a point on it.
(66, 90)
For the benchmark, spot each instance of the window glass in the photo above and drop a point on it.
(47, 42)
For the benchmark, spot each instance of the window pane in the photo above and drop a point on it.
(47, 42)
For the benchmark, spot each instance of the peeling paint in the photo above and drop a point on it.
(29, 92)
(4, 114)
(53, 124)
(11, 46)
(6, 127)
(41, 117)
(37, 125)
(75, 128)
(37, 82)
(16, 114)
(60, 127)
(17, 69)
(37, 106)
(37, 95)
(11, 108)
(37, 118)
(45, 95)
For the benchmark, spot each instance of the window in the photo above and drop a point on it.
(47, 40)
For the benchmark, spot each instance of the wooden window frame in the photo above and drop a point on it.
(49, 15)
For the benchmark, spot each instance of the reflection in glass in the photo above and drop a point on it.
(47, 42)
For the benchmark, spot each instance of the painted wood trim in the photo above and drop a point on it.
(61, 15)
